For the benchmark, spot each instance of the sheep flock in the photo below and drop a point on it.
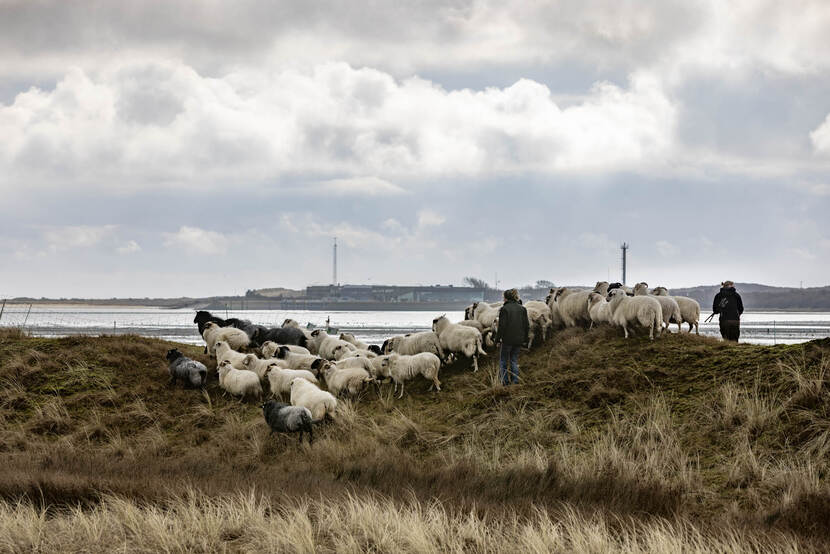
(313, 369)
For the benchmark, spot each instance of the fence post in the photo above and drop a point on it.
(774, 342)
(2, 308)
(27, 316)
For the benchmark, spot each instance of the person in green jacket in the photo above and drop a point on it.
(511, 335)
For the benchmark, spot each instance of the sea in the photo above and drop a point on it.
(373, 327)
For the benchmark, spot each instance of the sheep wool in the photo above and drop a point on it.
(321, 403)
(286, 418)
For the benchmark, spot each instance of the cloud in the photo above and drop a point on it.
(665, 248)
(129, 247)
(359, 186)
(76, 236)
(820, 137)
(199, 240)
(429, 218)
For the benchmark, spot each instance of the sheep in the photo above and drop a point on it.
(538, 315)
(602, 288)
(231, 335)
(485, 313)
(458, 338)
(239, 382)
(296, 324)
(299, 361)
(193, 373)
(671, 310)
(350, 338)
(572, 305)
(225, 352)
(402, 368)
(414, 343)
(555, 317)
(269, 348)
(689, 308)
(252, 363)
(599, 309)
(319, 402)
(203, 317)
(288, 419)
(280, 335)
(486, 332)
(341, 353)
(378, 369)
(350, 379)
(326, 345)
(279, 378)
(361, 363)
(643, 310)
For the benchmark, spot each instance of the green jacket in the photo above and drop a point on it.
(513, 325)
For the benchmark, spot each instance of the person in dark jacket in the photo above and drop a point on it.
(729, 305)
(512, 334)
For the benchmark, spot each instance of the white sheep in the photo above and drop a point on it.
(326, 345)
(486, 313)
(601, 287)
(643, 310)
(402, 368)
(239, 382)
(350, 379)
(599, 309)
(236, 338)
(689, 308)
(458, 338)
(269, 348)
(224, 352)
(486, 332)
(671, 310)
(341, 353)
(319, 402)
(280, 379)
(350, 338)
(556, 321)
(252, 363)
(572, 306)
(414, 343)
(300, 361)
(361, 363)
(538, 315)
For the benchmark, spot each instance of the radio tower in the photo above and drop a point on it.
(334, 263)
(624, 248)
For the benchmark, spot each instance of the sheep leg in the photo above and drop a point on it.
(301, 438)
(402, 384)
(172, 380)
(437, 384)
(625, 329)
(310, 436)
(475, 363)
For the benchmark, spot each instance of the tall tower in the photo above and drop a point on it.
(334, 263)
(624, 248)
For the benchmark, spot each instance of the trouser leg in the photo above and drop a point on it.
(514, 364)
(504, 359)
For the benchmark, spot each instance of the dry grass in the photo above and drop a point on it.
(658, 439)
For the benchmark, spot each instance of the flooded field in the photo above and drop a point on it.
(370, 326)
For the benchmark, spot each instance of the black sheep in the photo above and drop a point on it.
(279, 335)
(288, 419)
(181, 367)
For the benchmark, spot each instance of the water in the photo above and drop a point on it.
(369, 326)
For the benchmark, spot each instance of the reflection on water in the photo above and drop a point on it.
(370, 326)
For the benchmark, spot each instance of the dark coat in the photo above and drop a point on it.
(728, 304)
(513, 325)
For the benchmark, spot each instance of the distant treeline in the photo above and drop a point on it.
(762, 297)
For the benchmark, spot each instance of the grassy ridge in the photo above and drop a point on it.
(731, 439)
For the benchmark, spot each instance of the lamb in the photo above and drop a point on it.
(538, 315)
(361, 363)
(288, 419)
(350, 380)
(642, 310)
(415, 343)
(350, 338)
(239, 382)
(602, 288)
(572, 305)
(193, 373)
(279, 378)
(599, 309)
(402, 368)
(671, 310)
(689, 308)
(225, 352)
(280, 335)
(252, 363)
(378, 369)
(269, 348)
(485, 313)
(326, 345)
(231, 335)
(309, 395)
(486, 332)
(458, 338)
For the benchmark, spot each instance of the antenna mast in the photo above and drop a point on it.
(624, 248)
(334, 263)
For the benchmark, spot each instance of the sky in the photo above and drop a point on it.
(195, 148)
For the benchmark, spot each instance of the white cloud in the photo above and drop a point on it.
(820, 137)
(199, 240)
(429, 218)
(76, 236)
(665, 248)
(129, 247)
(161, 124)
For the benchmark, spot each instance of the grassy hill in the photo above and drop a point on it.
(683, 443)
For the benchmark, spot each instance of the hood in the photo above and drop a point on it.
(727, 290)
